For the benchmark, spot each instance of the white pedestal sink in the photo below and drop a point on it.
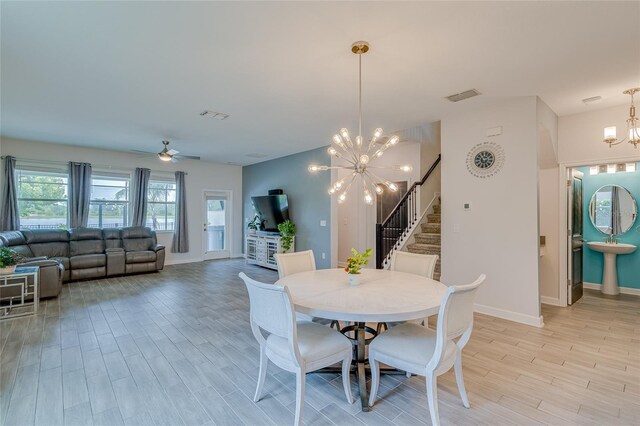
(610, 273)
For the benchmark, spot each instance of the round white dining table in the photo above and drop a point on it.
(381, 296)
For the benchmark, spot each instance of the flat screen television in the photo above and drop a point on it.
(272, 209)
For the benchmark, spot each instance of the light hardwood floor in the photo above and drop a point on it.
(175, 348)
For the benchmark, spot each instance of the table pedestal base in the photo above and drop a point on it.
(357, 333)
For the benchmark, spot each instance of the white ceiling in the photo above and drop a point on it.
(125, 75)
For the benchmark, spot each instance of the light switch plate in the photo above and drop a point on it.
(494, 131)
(323, 223)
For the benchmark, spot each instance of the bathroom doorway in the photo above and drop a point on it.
(603, 229)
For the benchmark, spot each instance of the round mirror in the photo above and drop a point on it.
(613, 210)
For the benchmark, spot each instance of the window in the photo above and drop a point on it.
(109, 207)
(42, 199)
(161, 205)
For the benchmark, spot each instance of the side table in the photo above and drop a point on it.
(19, 292)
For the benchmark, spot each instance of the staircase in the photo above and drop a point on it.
(401, 223)
(428, 241)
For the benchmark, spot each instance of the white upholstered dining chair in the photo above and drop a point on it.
(298, 347)
(420, 350)
(292, 263)
(413, 263)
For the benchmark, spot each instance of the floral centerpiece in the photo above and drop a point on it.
(355, 264)
(8, 260)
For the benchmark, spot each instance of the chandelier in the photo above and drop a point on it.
(359, 155)
(632, 125)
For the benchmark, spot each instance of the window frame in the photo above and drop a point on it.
(99, 175)
(42, 171)
(163, 180)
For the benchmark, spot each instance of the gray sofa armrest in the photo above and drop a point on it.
(41, 261)
(49, 276)
(160, 253)
(115, 261)
(33, 259)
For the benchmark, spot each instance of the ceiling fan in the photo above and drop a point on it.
(168, 154)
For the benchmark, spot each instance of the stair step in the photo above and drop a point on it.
(434, 218)
(428, 238)
(431, 228)
(424, 248)
(437, 208)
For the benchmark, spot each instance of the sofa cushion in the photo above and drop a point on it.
(12, 238)
(33, 236)
(137, 232)
(140, 256)
(138, 238)
(78, 248)
(60, 249)
(85, 241)
(88, 261)
(112, 238)
(47, 242)
(79, 234)
(16, 241)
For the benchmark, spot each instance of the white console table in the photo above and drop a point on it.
(260, 248)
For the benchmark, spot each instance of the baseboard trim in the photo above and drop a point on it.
(623, 290)
(509, 315)
(550, 301)
(181, 261)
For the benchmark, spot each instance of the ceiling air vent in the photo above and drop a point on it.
(212, 114)
(592, 99)
(256, 155)
(463, 95)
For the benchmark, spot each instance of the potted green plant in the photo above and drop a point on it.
(355, 264)
(254, 224)
(287, 232)
(8, 260)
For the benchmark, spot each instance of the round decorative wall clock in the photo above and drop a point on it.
(485, 159)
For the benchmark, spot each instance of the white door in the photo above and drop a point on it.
(217, 221)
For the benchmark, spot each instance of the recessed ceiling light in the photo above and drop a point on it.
(256, 155)
(463, 95)
(212, 114)
(592, 99)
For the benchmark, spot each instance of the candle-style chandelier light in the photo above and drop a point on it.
(359, 155)
(633, 125)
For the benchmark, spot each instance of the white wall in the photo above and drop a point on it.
(580, 137)
(356, 221)
(548, 202)
(201, 176)
(550, 261)
(429, 150)
(579, 144)
(499, 235)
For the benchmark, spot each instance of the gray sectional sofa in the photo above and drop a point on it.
(82, 253)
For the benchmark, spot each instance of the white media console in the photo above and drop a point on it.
(260, 248)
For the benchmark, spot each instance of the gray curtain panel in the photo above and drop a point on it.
(139, 188)
(79, 193)
(9, 218)
(180, 233)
